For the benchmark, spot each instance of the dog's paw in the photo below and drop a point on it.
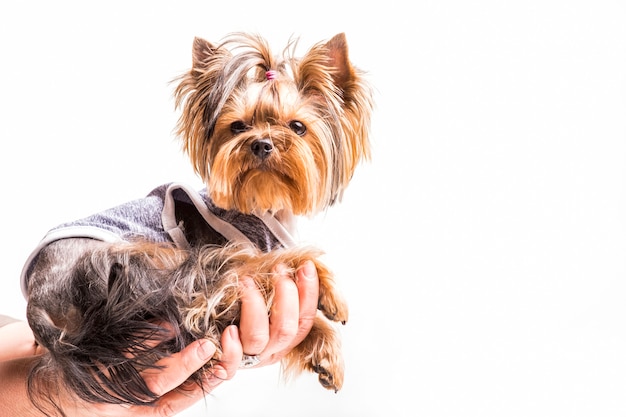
(333, 306)
(329, 378)
(326, 359)
(319, 352)
(331, 303)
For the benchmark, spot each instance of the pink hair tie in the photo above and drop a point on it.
(270, 75)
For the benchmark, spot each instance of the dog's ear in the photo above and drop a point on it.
(356, 103)
(202, 52)
(337, 49)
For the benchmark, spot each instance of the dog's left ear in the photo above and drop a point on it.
(337, 49)
(200, 100)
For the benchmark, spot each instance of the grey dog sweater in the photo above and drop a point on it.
(170, 213)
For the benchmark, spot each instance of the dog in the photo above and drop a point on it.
(272, 137)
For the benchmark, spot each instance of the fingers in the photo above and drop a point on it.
(190, 359)
(178, 367)
(254, 325)
(293, 310)
(308, 292)
(232, 352)
(284, 315)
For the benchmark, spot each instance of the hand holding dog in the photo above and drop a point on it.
(272, 137)
(272, 340)
(291, 320)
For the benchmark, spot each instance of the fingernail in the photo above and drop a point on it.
(219, 372)
(308, 268)
(206, 349)
(233, 332)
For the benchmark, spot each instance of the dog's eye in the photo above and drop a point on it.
(238, 127)
(298, 127)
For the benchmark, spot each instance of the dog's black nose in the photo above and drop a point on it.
(262, 148)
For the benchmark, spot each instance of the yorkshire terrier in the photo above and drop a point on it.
(273, 138)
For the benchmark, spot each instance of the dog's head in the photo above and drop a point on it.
(269, 133)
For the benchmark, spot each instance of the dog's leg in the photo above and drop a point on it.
(50, 310)
(331, 302)
(320, 351)
(105, 313)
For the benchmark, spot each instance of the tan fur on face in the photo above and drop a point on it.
(322, 89)
(296, 176)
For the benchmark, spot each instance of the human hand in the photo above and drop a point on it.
(291, 319)
(169, 383)
(291, 316)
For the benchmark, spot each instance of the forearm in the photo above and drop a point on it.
(14, 400)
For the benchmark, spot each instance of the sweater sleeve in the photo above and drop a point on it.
(138, 219)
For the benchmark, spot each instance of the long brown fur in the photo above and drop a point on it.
(322, 90)
(267, 134)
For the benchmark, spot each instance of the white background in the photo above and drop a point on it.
(483, 250)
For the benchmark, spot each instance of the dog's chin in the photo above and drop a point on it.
(262, 191)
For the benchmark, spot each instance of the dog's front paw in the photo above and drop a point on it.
(326, 359)
(319, 352)
(333, 306)
(331, 303)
